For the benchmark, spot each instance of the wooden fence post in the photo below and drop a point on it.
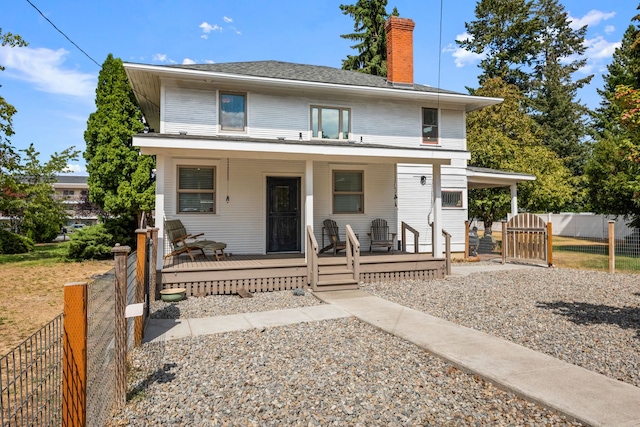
(612, 247)
(74, 363)
(120, 343)
(141, 262)
(550, 244)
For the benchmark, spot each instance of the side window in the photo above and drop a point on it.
(196, 189)
(429, 125)
(233, 112)
(452, 199)
(348, 192)
(330, 123)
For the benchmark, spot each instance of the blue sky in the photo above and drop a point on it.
(52, 83)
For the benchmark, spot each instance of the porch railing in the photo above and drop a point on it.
(353, 253)
(416, 236)
(312, 259)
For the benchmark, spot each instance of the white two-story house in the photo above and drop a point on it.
(253, 153)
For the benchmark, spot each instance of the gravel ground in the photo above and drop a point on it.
(344, 372)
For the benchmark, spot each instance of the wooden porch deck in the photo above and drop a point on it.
(260, 273)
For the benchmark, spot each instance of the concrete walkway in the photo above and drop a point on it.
(589, 397)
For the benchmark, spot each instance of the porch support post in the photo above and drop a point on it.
(159, 223)
(514, 199)
(437, 212)
(308, 203)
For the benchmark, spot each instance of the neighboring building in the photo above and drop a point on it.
(252, 153)
(73, 190)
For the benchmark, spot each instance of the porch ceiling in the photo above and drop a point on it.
(194, 146)
(490, 178)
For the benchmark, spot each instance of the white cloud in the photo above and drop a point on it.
(598, 47)
(45, 69)
(227, 19)
(609, 29)
(593, 17)
(207, 28)
(162, 57)
(71, 168)
(188, 61)
(209, 61)
(461, 56)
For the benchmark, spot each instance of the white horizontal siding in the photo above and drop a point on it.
(189, 110)
(241, 223)
(286, 115)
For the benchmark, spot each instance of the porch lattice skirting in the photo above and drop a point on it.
(210, 277)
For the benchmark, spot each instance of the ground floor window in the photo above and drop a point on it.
(348, 191)
(196, 189)
(452, 199)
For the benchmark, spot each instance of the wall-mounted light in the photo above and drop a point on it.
(423, 180)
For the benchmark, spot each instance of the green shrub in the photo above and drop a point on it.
(12, 243)
(91, 243)
(123, 230)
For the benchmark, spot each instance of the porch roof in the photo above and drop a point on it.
(478, 177)
(194, 145)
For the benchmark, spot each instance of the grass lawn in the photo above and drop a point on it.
(587, 254)
(33, 289)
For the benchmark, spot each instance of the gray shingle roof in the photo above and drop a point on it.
(303, 72)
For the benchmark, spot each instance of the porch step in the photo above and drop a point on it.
(336, 285)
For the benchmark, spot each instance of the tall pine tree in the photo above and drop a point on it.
(120, 179)
(370, 37)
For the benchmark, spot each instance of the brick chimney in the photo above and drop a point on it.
(399, 50)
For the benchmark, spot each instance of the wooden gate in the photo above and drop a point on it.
(527, 238)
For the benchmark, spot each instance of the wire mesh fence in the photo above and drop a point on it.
(100, 358)
(31, 379)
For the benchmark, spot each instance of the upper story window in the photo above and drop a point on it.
(330, 123)
(348, 191)
(430, 125)
(452, 199)
(196, 189)
(68, 192)
(233, 111)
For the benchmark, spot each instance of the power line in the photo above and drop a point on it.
(60, 31)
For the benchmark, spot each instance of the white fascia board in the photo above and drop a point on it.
(274, 150)
(471, 102)
(496, 179)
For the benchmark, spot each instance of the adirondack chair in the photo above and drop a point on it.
(335, 243)
(380, 236)
(182, 242)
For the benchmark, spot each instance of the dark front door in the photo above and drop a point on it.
(283, 214)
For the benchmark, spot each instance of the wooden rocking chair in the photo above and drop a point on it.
(335, 243)
(182, 242)
(380, 236)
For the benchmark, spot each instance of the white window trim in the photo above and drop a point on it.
(221, 131)
(439, 138)
(189, 162)
(331, 107)
(348, 168)
(463, 197)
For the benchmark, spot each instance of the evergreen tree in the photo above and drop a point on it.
(554, 91)
(504, 31)
(120, 179)
(624, 69)
(369, 35)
